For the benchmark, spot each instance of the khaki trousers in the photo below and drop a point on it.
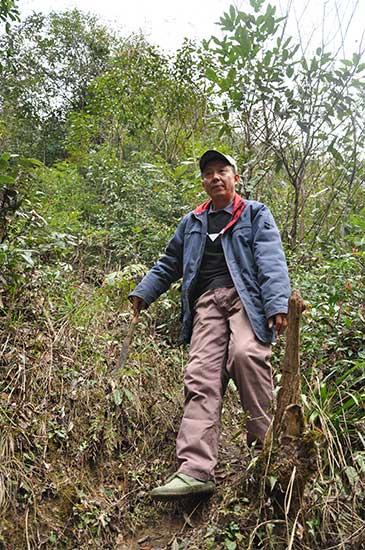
(223, 346)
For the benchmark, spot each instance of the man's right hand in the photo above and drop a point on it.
(138, 304)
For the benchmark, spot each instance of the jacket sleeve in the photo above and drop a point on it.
(167, 270)
(272, 270)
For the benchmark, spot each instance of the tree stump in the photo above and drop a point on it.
(288, 460)
(289, 392)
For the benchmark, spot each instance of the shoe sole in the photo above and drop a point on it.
(177, 495)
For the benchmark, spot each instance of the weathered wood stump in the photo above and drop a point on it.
(288, 460)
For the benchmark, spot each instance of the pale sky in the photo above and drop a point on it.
(167, 22)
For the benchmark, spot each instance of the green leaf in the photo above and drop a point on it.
(26, 161)
(314, 65)
(244, 40)
(211, 75)
(270, 25)
(359, 84)
(335, 153)
(256, 4)
(52, 537)
(303, 126)
(6, 179)
(225, 129)
(272, 480)
(27, 256)
(117, 397)
(128, 394)
(323, 392)
(226, 23)
(352, 476)
(359, 458)
(226, 83)
(180, 170)
(267, 58)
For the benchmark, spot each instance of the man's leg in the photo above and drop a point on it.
(249, 366)
(205, 383)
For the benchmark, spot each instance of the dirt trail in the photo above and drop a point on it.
(177, 521)
(172, 528)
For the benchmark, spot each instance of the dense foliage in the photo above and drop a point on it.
(99, 141)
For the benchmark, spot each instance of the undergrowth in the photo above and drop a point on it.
(81, 448)
(75, 439)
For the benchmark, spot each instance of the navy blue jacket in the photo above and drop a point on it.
(255, 258)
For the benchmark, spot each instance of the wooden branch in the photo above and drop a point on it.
(289, 392)
(289, 453)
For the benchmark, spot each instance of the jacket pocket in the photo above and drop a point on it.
(242, 247)
(192, 231)
(241, 227)
(192, 239)
(192, 245)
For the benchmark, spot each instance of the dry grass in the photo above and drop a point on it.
(80, 450)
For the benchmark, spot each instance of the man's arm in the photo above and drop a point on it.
(271, 268)
(167, 270)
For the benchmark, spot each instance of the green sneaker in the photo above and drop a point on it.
(182, 485)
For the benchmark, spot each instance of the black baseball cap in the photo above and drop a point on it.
(212, 154)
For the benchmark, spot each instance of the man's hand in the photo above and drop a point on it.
(138, 304)
(280, 321)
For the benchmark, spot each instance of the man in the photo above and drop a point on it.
(235, 292)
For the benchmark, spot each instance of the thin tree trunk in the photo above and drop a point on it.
(289, 392)
(289, 457)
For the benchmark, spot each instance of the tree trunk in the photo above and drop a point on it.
(288, 459)
(290, 369)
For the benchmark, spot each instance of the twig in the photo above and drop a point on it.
(252, 536)
(187, 520)
(289, 492)
(357, 532)
(27, 529)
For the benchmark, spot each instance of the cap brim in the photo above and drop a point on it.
(211, 155)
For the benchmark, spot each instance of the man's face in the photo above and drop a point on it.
(219, 181)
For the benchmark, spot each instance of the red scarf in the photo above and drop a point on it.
(238, 206)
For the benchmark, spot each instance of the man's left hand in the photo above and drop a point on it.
(280, 321)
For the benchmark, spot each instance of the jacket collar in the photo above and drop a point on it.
(238, 206)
